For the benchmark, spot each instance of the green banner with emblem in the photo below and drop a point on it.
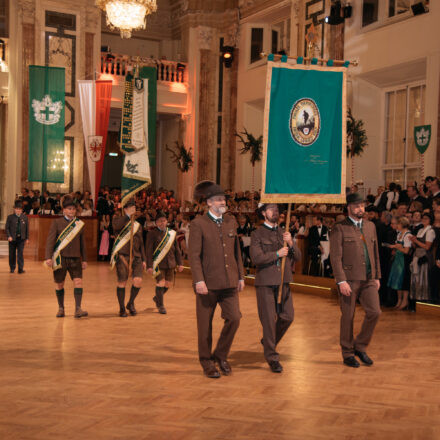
(138, 131)
(46, 124)
(304, 134)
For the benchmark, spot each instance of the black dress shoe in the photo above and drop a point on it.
(364, 357)
(275, 366)
(131, 309)
(162, 310)
(12, 270)
(211, 372)
(123, 313)
(351, 362)
(225, 368)
(79, 313)
(21, 271)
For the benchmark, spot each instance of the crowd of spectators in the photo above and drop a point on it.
(35, 203)
(407, 222)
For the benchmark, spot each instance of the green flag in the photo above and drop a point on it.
(138, 131)
(304, 134)
(46, 124)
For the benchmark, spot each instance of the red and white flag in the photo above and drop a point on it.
(95, 100)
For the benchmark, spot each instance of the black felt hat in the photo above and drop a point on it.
(207, 189)
(68, 201)
(262, 207)
(160, 214)
(18, 204)
(129, 203)
(353, 198)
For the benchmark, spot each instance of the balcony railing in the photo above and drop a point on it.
(120, 65)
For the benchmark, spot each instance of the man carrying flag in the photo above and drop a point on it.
(128, 230)
(266, 250)
(128, 251)
(163, 255)
(66, 252)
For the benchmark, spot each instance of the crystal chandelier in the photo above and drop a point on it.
(127, 15)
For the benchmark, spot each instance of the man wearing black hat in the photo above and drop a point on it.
(121, 257)
(218, 275)
(163, 256)
(267, 249)
(17, 231)
(354, 256)
(66, 252)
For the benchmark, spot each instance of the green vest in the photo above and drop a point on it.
(366, 255)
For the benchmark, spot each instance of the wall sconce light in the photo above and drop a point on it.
(227, 55)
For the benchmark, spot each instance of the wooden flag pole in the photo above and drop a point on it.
(130, 264)
(283, 263)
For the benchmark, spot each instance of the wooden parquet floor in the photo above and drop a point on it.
(106, 377)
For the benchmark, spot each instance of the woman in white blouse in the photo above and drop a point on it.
(422, 260)
(87, 210)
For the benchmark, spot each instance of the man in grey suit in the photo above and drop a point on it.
(17, 231)
(355, 261)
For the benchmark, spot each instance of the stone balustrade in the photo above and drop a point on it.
(120, 65)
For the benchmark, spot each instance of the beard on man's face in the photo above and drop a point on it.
(358, 214)
(272, 217)
(219, 210)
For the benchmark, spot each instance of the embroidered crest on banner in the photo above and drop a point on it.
(94, 148)
(47, 112)
(305, 122)
(139, 84)
(422, 137)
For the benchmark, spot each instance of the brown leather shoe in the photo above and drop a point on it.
(60, 313)
(225, 368)
(211, 372)
(80, 313)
